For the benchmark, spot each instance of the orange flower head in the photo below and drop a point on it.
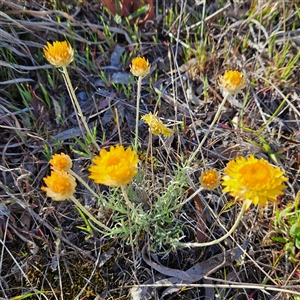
(232, 81)
(140, 66)
(60, 54)
(253, 181)
(210, 179)
(156, 126)
(60, 185)
(114, 168)
(61, 162)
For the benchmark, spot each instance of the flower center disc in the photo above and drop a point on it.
(254, 175)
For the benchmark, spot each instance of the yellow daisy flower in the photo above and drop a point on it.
(140, 66)
(61, 162)
(156, 126)
(210, 179)
(60, 54)
(114, 168)
(232, 81)
(253, 181)
(60, 185)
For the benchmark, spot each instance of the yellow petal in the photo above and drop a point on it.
(140, 67)
(59, 54)
(60, 185)
(116, 167)
(253, 180)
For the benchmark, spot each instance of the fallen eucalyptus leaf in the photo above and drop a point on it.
(194, 273)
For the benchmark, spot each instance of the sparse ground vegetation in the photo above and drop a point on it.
(214, 99)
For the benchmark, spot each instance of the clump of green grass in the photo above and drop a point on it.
(287, 227)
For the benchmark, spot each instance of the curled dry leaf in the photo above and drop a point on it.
(193, 274)
(199, 270)
(200, 217)
(128, 7)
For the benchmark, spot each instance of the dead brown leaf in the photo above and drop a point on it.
(200, 217)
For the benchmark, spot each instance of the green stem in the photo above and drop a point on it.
(138, 98)
(84, 183)
(76, 105)
(217, 115)
(129, 203)
(233, 228)
(87, 213)
(130, 235)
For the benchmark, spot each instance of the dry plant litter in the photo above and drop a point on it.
(144, 112)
